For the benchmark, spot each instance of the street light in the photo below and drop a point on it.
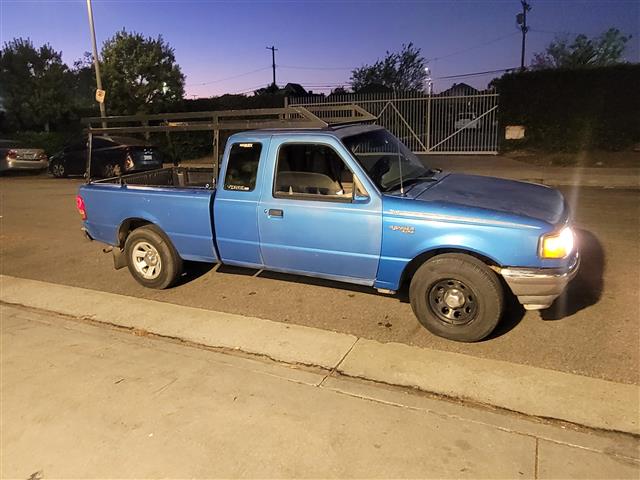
(428, 80)
(427, 71)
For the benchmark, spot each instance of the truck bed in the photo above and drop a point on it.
(178, 200)
(179, 177)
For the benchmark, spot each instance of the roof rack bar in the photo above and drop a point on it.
(289, 117)
(298, 117)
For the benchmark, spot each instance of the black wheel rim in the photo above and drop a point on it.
(453, 302)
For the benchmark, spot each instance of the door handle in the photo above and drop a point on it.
(275, 212)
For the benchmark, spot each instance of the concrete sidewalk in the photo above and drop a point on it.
(501, 166)
(83, 401)
(532, 391)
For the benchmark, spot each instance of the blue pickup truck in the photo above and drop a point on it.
(348, 203)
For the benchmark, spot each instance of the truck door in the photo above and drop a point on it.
(236, 204)
(315, 216)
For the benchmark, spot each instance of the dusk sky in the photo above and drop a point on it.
(319, 42)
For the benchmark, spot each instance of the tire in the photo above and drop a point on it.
(58, 169)
(160, 266)
(458, 297)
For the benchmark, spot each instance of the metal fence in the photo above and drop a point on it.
(441, 123)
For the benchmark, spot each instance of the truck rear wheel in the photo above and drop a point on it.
(456, 296)
(151, 258)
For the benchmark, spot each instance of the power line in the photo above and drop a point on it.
(247, 90)
(550, 32)
(315, 68)
(229, 78)
(297, 67)
(477, 74)
(479, 45)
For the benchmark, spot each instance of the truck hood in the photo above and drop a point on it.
(513, 198)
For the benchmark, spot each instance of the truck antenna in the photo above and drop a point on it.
(400, 167)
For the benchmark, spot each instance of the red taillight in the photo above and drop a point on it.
(12, 154)
(80, 207)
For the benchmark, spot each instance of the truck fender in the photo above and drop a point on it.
(126, 227)
(418, 260)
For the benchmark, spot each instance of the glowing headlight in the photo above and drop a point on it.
(557, 245)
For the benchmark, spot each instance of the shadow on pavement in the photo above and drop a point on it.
(318, 282)
(586, 288)
(193, 270)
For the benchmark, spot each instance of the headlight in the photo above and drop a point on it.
(557, 245)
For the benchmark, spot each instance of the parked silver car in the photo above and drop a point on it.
(14, 156)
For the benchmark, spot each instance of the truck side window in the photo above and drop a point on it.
(306, 169)
(242, 167)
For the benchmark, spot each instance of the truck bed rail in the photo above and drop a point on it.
(178, 177)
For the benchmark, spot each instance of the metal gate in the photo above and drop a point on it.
(441, 123)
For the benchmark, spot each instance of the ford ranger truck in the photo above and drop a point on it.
(350, 204)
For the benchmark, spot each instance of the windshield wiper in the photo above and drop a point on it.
(413, 181)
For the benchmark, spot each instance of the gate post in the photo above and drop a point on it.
(428, 139)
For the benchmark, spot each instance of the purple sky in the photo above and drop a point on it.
(319, 42)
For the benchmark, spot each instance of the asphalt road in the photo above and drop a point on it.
(592, 330)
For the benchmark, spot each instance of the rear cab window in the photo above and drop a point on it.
(242, 166)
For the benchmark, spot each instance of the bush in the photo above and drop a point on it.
(573, 109)
(51, 142)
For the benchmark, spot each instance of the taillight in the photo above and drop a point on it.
(12, 154)
(80, 207)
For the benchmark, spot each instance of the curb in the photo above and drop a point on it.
(533, 391)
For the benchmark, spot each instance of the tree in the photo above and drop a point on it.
(140, 75)
(339, 91)
(84, 84)
(600, 51)
(34, 84)
(403, 70)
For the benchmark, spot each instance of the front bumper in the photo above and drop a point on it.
(537, 288)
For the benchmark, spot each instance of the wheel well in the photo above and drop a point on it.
(414, 264)
(128, 226)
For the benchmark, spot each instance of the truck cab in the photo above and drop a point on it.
(352, 204)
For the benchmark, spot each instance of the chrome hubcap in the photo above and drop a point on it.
(453, 302)
(146, 260)
(454, 298)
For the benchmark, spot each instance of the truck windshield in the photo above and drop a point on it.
(387, 161)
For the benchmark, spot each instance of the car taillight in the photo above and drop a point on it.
(80, 207)
(12, 154)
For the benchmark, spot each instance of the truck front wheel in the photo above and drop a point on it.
(151, 258)
(456, 296)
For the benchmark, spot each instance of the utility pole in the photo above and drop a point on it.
(521, 19)
(273, 62)
(96, 63)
